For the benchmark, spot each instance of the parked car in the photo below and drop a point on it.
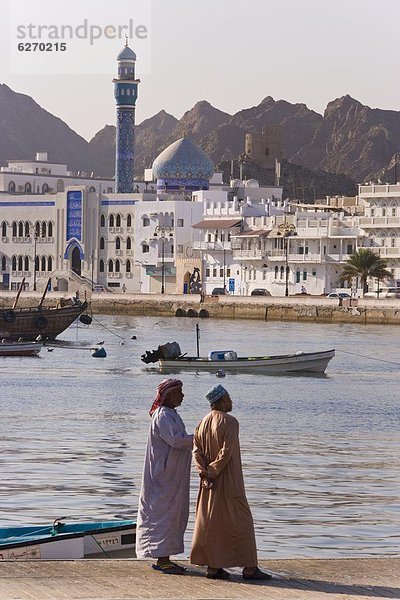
(339, 295)
(99, 288)
(260, 292)
(219, 292)
(384, 292)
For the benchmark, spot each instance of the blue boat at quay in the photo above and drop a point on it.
(62, 541)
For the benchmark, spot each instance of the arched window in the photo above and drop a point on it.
(3, 229)
(111, 221)
(28, 188)
(50, 229)
(45, 188)
(20, 229)
(282, 272)
(11, 186)
(276, 271)
(117, 266)
(3, 263)
(102, 243)
(110, 266)
(37, 229)
(129, 243)
(14, 230)
(26, 263)
(44, 229)
(102, 221)
(50, 263)
(27, 229)
(92, 188)
(43, 261)
(118, 221)
(37, 263)
(20, 267)
(14, 263)
(128, 266)
(129, 220)
(118, 243)
(101, 266)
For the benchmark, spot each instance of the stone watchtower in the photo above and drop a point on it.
(125, 92)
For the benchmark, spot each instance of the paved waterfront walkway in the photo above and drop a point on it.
(343, 579)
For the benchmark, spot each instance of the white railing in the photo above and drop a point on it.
(218, 246)
(256, 253)
(380, 221)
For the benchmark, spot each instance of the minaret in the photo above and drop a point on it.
(125, 92)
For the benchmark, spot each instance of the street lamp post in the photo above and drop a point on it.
(163, 231)
(286, 230)
(32, 230)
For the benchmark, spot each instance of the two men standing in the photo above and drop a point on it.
(224, 530)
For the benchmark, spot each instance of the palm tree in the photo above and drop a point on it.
(364, 264)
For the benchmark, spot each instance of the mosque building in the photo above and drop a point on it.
(78, 232)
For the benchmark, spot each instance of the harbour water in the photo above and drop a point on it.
(321, 455)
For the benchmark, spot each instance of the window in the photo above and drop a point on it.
(146, 221)
(44, 229)
(101, 266)
(3, 229)
(304, 275)
(110, 266)
(37, 263)
(3, 263)
(128, 266)
(28, 188)
(14, 230)
(26, 263)
(20, 229)
(349, 248)
(264, 274)
(298, 276)
(118, 242)
(180, 223)
(43, 263)
(19, 263)
(221, 272)
(392, 242)
(111, 221)
(383, 212)
(14, 263)
(207, 271)
(45, 188)
(102, 221)
(180, 248)
(50, 229)
(129, 243)
(282, 272)
(214, 272)
(102, 243)
(117, 266)
(118, 221)
(276, 272)
(393, 212)
(145, 248)
(209, 239)
(50, 263)
(228, 272)
(109, 190)
(229, 236)
(11, 186)
(129, 220)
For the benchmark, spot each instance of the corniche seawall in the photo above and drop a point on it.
(296, 308)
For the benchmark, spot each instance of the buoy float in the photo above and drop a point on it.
(99, 353)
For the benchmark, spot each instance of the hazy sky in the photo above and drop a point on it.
(232, 53)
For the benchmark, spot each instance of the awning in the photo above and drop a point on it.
(217, 224)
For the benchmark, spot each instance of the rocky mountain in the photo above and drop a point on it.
(349, 139)
(26, 128)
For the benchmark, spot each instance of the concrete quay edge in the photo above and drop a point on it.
(296, 579)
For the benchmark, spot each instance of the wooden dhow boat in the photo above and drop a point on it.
(44, 321)
(63, 541)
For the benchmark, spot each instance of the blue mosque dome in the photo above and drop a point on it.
(126, 54)
(183, 165)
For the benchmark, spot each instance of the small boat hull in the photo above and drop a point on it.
(301, 362)
(69, 541)
(20, 348)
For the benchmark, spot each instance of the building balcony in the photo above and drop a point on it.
(387, 252)
(379, 222)
(336, 258)
(255, 254)
(212, 246)
(117, 275)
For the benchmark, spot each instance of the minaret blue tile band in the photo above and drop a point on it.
(125, 93)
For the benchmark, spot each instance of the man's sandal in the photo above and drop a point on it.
(257, 575)
(220, 574)
(169, 569)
